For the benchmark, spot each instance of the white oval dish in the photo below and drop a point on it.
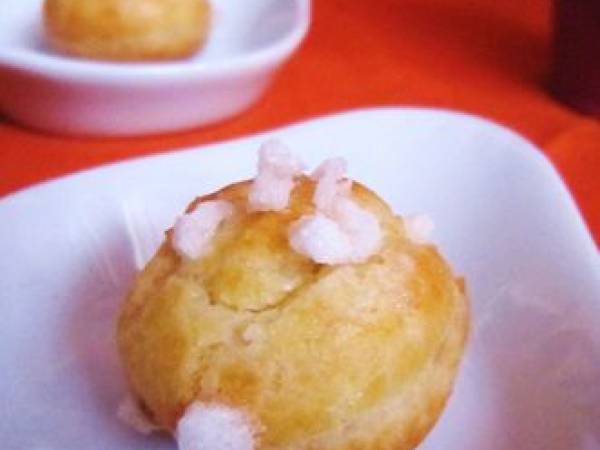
(249, 41)
(529, 380)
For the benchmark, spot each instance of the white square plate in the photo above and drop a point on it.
(69, 249)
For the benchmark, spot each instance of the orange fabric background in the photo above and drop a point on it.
(487, 57)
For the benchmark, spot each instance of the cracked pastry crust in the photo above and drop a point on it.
(346, 357)
(127, 30)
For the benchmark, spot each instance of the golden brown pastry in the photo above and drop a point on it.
(127, 29)
(255, 337)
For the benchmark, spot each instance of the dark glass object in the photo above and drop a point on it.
(575, 75)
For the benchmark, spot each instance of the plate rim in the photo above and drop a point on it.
(531, 150)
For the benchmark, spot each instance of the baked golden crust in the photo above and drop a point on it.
(359, 356)
(127, 29)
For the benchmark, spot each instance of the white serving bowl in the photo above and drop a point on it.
(249, 41)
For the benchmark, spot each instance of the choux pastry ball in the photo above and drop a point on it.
(294, 312)
(127, 30)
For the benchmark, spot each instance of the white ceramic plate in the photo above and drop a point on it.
(69, 249)
(248, 41)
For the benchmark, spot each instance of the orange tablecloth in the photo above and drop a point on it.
(487, 57)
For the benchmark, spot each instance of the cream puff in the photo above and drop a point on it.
(294, 312)
(127, 30)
